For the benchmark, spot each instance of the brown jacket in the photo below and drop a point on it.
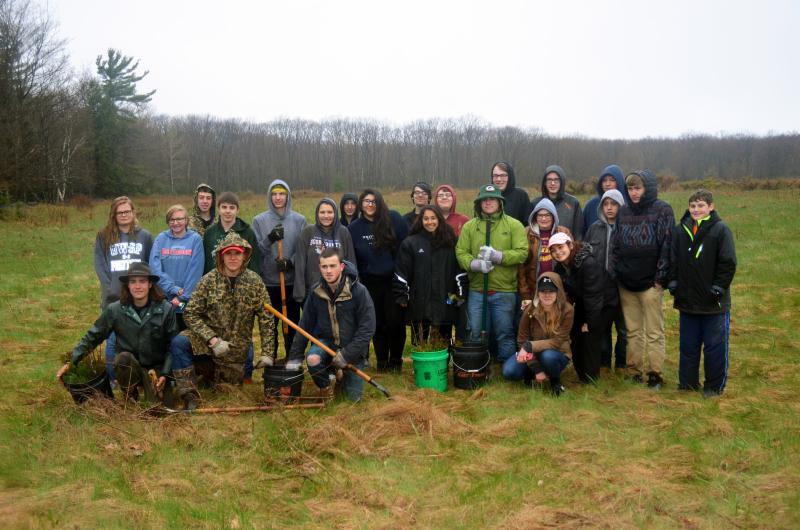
(532, 327)
(528, 272)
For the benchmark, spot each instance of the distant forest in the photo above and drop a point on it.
(62, 135)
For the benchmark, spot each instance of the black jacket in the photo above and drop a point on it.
(702, 261)
(600, 236)
(568, 206)
(146, 337)
(516, 202)
(354, 318)
(583, 282)
(423, 279)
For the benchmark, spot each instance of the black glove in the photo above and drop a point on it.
(672, 287)
(284, 264)
(276, 234)
(717, 293)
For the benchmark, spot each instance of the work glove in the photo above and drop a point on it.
(488, 253)
(276, 234)
(284, 264)
(263, 362)
(339, 361)
(221, 348)
(479, 265)
(672, 287)
(293, 365)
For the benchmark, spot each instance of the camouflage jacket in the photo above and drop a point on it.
(227, 309)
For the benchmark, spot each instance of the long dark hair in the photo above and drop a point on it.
(575, 247)
(155, 294)
(382, 228)
(444, 236)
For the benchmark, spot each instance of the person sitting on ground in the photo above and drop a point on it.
(703, 266)
(338, 294)
(543, 337)
(144, 323)
(220, 318)
(420, 196)
(177, 259)
(205, 199)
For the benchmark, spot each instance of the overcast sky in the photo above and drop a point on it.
(612, 69)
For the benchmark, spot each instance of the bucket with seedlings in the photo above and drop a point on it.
(88, 378)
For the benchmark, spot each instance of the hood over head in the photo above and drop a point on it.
(233, 239)
(449, 188)
(616, 172)
(349, 197)
(512, 179)
(650, 189)
(543, 204)
(558, 170)
(614, 195)
(208, 189)
(336, 223)
(279, 184)
(556, 279)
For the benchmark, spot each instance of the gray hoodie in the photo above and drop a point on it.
(263, 223)
(599, 236)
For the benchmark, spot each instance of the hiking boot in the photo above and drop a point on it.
(131, 394)
(557, 390)
(190, 402)
(325, 394)
(654, 381)
(634, 378)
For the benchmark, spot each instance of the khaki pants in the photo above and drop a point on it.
(644, 319)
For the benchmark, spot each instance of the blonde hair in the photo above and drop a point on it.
(175, 208)
(110, 233)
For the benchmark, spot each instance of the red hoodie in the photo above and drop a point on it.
(454, 219)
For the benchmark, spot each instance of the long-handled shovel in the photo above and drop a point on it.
(485, 307)
(283, 289)
(327, 350)
(156, 411)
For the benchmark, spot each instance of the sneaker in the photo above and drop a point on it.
(654, 382)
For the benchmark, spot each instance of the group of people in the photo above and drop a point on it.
(540, 282)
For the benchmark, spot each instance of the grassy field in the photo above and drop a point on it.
(613, 455)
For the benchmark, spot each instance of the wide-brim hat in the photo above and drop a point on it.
(138, 269)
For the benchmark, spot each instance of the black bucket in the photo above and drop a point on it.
(282, 385)
(470, 365)
(100, 385)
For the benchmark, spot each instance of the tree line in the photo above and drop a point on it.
(62, 135)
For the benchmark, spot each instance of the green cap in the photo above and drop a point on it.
(490, 191)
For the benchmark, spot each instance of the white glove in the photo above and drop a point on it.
(293, 365)
(339, 361)
(479, 265)
(220, 348)
(488, 253)
(263, 362)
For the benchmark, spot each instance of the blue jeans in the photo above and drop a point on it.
(499, 325)
(320, 371)
(553, 363)
(181, 350)
(712, 333)
(111, 352)
(248, 364)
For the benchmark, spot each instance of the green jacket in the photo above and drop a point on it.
(146, 337)
(215, 234)
(508, 236)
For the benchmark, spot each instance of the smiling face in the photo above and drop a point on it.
(420, 197)
(204, 201)
(700, 209)
(177, 222)
(368, 206)
(444, 200)
(553, 183)
(326, 215)
(560, 252)
(279, 199)
(547, 298)
(228, 212)
(544, 220)
(429, 221)
(500, 178)
(139, 287)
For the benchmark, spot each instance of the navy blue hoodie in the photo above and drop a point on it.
(590, 209)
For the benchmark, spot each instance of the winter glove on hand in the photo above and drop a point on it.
(276, 234)
(293, 365)
(717, 292)
(490, 254)
(263, 362)
(672, 287)
(339, 361)
(284, 264)
(220, 348)
(479, 265)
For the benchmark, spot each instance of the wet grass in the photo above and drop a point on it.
(614, 455)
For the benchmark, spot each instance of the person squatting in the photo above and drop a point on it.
(540, 282)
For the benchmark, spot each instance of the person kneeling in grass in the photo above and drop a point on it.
(220, 317)
(144, 323)
(340, 313)
(543, 337)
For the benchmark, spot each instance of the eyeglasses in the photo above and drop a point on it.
(543, 215)
(369, 201)
(500, 175)
(444, 195)
(124, 213)
(420, 193)
(177, 219)
(553, 180)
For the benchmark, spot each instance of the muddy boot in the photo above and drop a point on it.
(325, 394)
(187, 389)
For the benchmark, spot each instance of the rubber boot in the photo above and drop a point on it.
(186, 386)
